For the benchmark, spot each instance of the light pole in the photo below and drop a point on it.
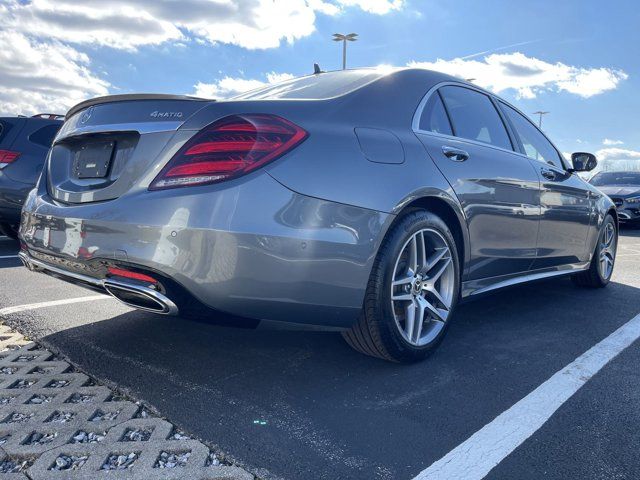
(339, 37)
(540, 113)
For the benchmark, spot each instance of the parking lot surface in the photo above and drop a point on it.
(290, 402)
(57, 423)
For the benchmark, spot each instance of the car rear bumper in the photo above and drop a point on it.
(253, 249)
(149, 299)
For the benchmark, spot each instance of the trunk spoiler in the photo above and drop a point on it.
(129, 97)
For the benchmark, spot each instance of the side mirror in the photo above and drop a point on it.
(583, 162)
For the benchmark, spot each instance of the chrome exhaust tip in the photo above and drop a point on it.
(131, 294)
(142, 298)
(25, 261)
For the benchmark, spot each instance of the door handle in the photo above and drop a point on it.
(548, 174)
(455, 154)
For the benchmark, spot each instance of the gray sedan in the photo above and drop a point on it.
(364, 199)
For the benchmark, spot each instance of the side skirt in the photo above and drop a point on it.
(485, 285)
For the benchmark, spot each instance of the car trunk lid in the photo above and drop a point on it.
(107, 144)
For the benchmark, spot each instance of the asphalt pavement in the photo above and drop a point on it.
(290, 402)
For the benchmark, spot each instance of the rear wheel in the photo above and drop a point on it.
(599, 273)
(411, 293)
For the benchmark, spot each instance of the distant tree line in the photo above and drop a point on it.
(613, 165)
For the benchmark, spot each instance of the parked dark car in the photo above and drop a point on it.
(624, 190)
(366, 199)
(24, 143)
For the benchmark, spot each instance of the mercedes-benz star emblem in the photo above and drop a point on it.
(86, 115)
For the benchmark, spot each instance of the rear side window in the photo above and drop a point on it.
(44, 136)
(474, 116)
(434, 117)
(535, 144)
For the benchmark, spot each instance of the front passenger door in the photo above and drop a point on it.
(566, 205)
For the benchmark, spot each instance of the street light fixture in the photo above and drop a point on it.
(339, 37)
(540, 113)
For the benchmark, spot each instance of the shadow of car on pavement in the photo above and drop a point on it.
(316, 394)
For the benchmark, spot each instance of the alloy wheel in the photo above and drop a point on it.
(607, 251)
(422, 287)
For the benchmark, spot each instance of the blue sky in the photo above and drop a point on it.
(578, 59)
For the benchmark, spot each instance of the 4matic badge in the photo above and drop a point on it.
(158, 114)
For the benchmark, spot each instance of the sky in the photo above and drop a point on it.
(577, 59)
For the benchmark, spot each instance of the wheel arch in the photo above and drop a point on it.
(614, 213)
(447, 209)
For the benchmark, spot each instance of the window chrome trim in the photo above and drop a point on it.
(415, 122)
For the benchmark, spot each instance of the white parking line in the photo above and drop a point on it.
(479, 454)
(66, 301)
(8, 256)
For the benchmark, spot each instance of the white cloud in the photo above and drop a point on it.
(620, 159)
(608, 142)
(379, 7)
(326, 8)
(44, 70)
(43, 76)
(129, 24)
(529, 76)
(229, 86)
(274, 77)
(617, 154)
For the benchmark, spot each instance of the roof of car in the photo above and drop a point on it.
(336, 83)
(317, 86)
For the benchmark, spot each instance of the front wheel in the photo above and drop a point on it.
(412, 291)
(599, 273)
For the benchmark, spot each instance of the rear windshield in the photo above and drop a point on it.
(315, 87)
(616, 178)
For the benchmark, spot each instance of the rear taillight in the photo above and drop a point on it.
(229, 148)
(7, 157)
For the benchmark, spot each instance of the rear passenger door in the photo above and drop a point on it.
(466, 136)
(565, 201)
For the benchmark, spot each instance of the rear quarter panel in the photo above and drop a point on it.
(330, 163)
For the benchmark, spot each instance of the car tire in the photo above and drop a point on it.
(8, 230)
(594, 276)
(378, 331)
